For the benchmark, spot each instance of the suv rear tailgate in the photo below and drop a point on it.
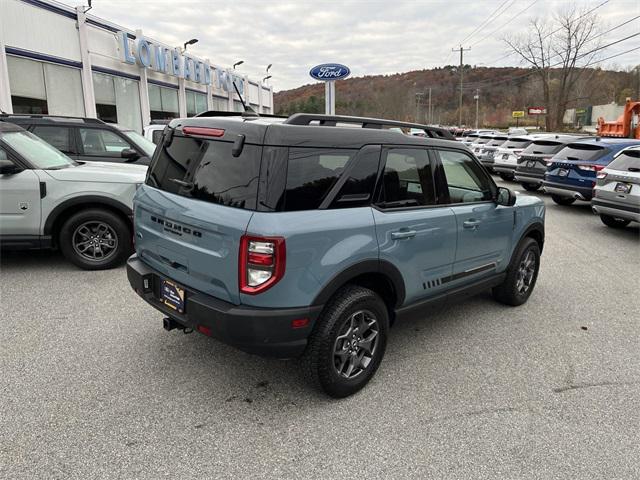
(192, 242)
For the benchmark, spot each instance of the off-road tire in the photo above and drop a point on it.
(118, 229)
(560, 200)
(530, 187)
(319, 357)
(507, 292)
(506, 176)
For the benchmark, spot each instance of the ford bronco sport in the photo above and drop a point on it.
(309, 236)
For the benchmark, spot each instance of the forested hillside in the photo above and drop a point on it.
(501, 91)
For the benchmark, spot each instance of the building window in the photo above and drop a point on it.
(163, 102)
(220, 104)
(44, 88)
(237, 106)
(196, 103)
(118, 100)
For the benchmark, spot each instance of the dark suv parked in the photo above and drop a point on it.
(310, 235)
(87, 139)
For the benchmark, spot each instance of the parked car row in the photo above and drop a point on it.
(569, 167)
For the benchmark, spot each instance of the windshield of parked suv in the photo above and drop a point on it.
(581, 151)
(36, 151)
(626, 161)
(543, 146)
(147, 146)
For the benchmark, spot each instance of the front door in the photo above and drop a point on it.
(19, 202)
(484, 228)
(414, 233)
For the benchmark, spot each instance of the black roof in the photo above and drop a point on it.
(49, 119)
(314, 130)
(9, 127)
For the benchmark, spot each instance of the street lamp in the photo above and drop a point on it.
(238, 63)
(190, 42)
(269, 67)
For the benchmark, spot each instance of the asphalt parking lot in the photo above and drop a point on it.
(93, 387)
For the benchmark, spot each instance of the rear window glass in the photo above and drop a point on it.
(496, 142)
(543, 146)
(626, 161)
(577, 151)
(483, 140)
(206, 170)
(311, 173)
(516, 143)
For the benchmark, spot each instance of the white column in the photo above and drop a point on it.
(5, 89)
(209, 89)
(232, 90)
(182, 98)
(260, 109)
(87, 78)
(144, 92)
(272, 107)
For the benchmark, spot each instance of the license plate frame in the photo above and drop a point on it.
(531, 163)
(622, 187)
(505, 156)
(563, 172)
(173, 296)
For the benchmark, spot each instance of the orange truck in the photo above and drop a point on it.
(627, 125)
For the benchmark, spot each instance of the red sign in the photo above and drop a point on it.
(536, 111)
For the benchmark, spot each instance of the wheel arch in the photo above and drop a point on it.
(378, 275)
(62, 212)
(535, 231)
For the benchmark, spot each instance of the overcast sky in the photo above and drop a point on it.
(371, 37)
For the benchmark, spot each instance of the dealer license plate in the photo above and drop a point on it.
(172, 296)
(623, 188)
(531, 164)
(563, 172)
(505, 156)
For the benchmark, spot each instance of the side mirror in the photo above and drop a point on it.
(130, 154)
(7, 167)
(505, 197)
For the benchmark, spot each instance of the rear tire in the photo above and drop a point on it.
(614, 222)
(348, 342)
(521, 274)
(506, 176)
(95, 239)
(530, 187)
(560, 200)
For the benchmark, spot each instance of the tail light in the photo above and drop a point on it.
(204, 131)
(601, 175)
(262, 263)
(591, 168)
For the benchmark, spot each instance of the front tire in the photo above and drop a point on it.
(530, 187)
(348, 341)
(560, 200)
(521, 274)
(614, 222)
(95, 239)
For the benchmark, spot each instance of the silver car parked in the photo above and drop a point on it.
(617, 192)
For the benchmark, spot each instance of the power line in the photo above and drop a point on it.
(487, 20)
(616, 27)
(506, 23)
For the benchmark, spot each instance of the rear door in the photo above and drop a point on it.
(484, 228)
(414, 233)
(195, 206)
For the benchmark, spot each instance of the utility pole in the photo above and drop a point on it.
(462, 50)
(477, 99)
(430, 121)
(418, 100)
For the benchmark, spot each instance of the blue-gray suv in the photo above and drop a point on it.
(310, 235)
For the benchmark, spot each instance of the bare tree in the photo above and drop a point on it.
(559, 50)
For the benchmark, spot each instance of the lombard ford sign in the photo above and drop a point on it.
(171, 61)
(330, 71)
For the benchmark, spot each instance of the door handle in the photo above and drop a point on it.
(403, 234)
(471, 224)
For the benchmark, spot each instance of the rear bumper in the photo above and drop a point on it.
(568, 191)
(261, 331)
(528, 177)
(603, 207)
(504, 168)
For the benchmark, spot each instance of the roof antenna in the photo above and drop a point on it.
(248, 111)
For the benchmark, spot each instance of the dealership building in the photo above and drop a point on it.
(59, 60)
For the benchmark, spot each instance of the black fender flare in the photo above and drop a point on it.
(534, 227)
(81, 202)
(366, 266)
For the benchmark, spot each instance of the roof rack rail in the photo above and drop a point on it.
(366, 122)
(53, 118)
(223, 113)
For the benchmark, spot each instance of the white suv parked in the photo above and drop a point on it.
(48, 200)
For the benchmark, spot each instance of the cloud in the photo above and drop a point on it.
(371, 37)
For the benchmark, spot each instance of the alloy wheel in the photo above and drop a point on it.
(95, 241)
(356, 344)
(526, 272)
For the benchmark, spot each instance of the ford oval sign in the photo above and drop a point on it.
(330, 71)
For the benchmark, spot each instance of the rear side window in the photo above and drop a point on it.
(626, 161)
(407, 180)
(581, 151)
(311, 173)
(206, 170)
(103, 143)
(59, 137)
(542, 146)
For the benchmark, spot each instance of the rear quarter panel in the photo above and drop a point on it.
(320, 244)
